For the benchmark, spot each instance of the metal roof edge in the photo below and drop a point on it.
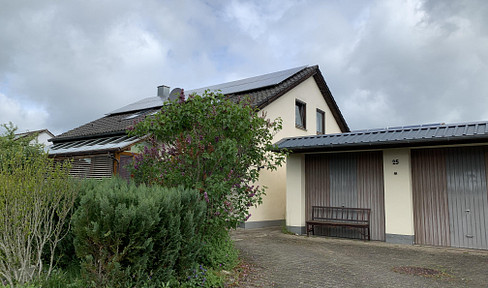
(475, 139)
(89, 136)
(330, 100)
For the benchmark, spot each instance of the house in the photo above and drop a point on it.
(41, 136)
(299, 96)
(424, 184)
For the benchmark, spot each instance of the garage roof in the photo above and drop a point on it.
(405, 136)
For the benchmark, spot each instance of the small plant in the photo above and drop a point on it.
(285, 230)
(202, 277)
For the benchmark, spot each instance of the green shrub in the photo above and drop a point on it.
(36, 201)
(218, 249)
(128, 235)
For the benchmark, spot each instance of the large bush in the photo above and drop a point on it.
(127, 235)
(36, 198)
(211, 143)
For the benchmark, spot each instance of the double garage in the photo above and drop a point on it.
(419, 191)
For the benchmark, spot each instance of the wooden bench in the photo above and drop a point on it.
(358, 218)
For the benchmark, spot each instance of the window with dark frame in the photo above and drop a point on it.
(320, 122)
(300, 114)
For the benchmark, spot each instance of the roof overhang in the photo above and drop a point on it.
(427, 135)
(92, 146)
(385, 145)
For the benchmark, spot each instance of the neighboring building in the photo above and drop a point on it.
(424, 184)
(299, 96)
(41, 136)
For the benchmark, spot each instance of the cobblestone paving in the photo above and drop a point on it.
(282, 260)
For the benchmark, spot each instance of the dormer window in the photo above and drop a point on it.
(300, 114)
(320, 122)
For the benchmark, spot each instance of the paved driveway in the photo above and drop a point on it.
(282, 260)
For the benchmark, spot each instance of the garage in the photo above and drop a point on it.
(351, 180)
(425, 184)
(450, 196)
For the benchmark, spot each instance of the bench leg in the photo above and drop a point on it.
(310, 229)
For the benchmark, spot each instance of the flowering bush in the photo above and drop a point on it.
(213, 144)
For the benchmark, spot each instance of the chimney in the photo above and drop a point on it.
(163, 92)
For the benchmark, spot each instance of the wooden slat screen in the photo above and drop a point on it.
(95, 167)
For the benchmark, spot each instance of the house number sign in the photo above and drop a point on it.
(395, 162)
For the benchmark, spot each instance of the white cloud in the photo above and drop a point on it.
(409, 61)
(26, 117)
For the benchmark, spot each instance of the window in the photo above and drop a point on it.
(320, 122)
(300, 114)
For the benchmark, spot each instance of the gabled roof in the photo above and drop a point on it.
(406, 136)
(28, 133)
(263, 90)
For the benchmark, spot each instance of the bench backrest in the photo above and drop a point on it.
(341, 213)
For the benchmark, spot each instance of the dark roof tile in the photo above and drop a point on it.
(106, 126)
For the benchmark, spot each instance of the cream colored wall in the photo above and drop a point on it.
(274, 203)
(295, 191)
(284, 107)
(398, 192)
(42, 139)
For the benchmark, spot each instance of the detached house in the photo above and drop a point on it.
(299, 96)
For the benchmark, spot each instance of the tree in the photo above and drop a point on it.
(36, 198)
(211, 143)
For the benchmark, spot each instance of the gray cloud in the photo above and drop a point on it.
(387, 62)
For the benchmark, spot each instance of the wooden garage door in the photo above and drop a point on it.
(450, 197)
(352, 180)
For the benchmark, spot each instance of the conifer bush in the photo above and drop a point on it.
(128, 235)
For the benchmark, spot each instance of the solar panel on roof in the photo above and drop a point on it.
(226, 88)
(151, 102)
(250, 83)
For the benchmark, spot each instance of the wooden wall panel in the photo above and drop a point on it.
(431, 215)
(467, 197)
(450, 197)
(316, 184)
(370, 183)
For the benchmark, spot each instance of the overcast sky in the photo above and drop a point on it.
(387, 63)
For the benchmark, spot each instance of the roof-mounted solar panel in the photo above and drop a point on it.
(250, 83)
(232, 87)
